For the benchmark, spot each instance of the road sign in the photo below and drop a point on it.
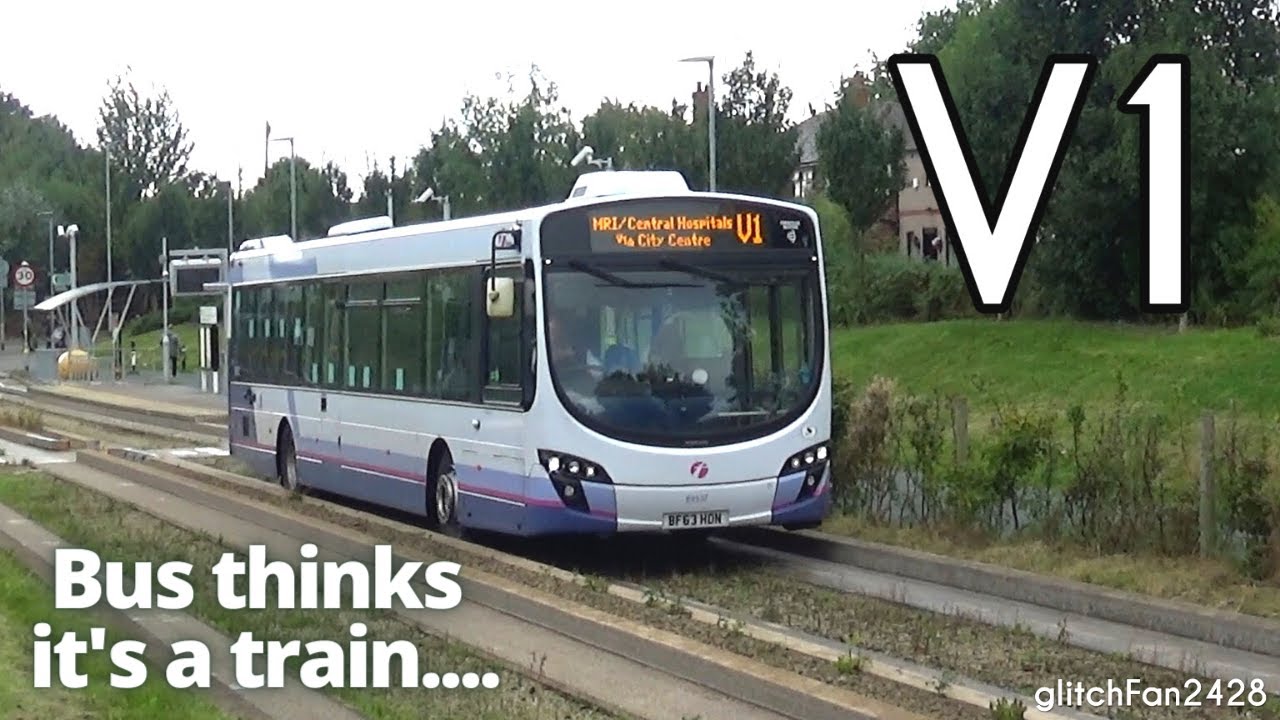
(24, 299)
(24, 276)
(61, 281)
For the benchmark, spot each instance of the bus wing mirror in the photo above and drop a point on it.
(501, 297)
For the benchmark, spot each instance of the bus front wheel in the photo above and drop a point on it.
(443, 510)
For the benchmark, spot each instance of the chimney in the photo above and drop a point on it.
(857, 90)
(699, 102)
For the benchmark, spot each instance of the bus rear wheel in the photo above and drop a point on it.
(287, 460)
(442, 510)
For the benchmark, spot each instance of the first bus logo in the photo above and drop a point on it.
(699, 469)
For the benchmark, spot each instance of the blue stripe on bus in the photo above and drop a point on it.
(788, 490)
(489, 499)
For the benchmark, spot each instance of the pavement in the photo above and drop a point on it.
(179, 401)
(146, 391)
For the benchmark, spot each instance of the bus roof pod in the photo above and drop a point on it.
(266, 243)
(628, 182)
(363, 225)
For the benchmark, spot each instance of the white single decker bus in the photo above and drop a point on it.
(639, 357)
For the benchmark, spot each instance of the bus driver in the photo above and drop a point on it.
(570, 356)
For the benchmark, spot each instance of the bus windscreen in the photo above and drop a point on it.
(676, 226)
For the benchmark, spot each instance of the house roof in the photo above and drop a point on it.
(889, 112)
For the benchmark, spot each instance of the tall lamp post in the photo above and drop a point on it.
(231, 227)
(49, 214)
(69, 233)
(111, 316)
(430, 194)
(107, 151)
(293, 187)
(711, 112)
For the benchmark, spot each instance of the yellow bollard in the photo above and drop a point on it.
(74, 364)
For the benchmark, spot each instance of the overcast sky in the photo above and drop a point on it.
(371, 79)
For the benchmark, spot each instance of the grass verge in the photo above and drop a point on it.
(1054, 362)
(149, 348)
(121, 533)
(26, 600)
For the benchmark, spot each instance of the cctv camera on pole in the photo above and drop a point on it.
(584, 155)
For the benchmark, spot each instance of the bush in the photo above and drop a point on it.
(1115, 478)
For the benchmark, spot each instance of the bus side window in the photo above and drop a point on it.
(450, 331)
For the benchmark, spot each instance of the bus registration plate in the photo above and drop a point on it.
(706, 518)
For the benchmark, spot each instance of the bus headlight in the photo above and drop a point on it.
(810, 457)
(568, 473)
(558, 464)
(812, 461)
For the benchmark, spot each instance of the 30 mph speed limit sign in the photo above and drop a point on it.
(24, 276)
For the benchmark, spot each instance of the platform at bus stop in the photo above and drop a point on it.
(178, 401)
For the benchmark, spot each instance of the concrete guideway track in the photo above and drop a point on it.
(121, 416)
(34, 546)
(587, 651)
(847, 566)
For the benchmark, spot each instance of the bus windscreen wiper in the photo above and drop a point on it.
(614, 279)
(700, 272)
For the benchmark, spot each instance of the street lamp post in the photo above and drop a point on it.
(165, 361)
(70, 233)
(293, 187)
(711, 113)
(107, 151)
(49, 214)
(231, 227)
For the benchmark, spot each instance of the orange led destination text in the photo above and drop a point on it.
(677, 231)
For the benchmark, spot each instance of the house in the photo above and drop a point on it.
(915, 215)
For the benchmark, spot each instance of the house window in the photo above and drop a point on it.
(931, 246)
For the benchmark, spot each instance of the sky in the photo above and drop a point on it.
(354, 82)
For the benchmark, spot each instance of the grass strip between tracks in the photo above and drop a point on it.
(119, 532)
(25, 600)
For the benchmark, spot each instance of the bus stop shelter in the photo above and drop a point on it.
(64, 308)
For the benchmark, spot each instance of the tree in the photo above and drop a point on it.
(647, 138)
(324, 200)
(503, 154)
(148, 142)
(1262, 263)
(756, 144)
(452, 166)
(860, 155)
(526, 146)
(1088, 260)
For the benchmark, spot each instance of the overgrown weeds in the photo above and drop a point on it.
(23, 419)
(1114, 478)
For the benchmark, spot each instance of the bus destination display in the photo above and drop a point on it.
(614, 230)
